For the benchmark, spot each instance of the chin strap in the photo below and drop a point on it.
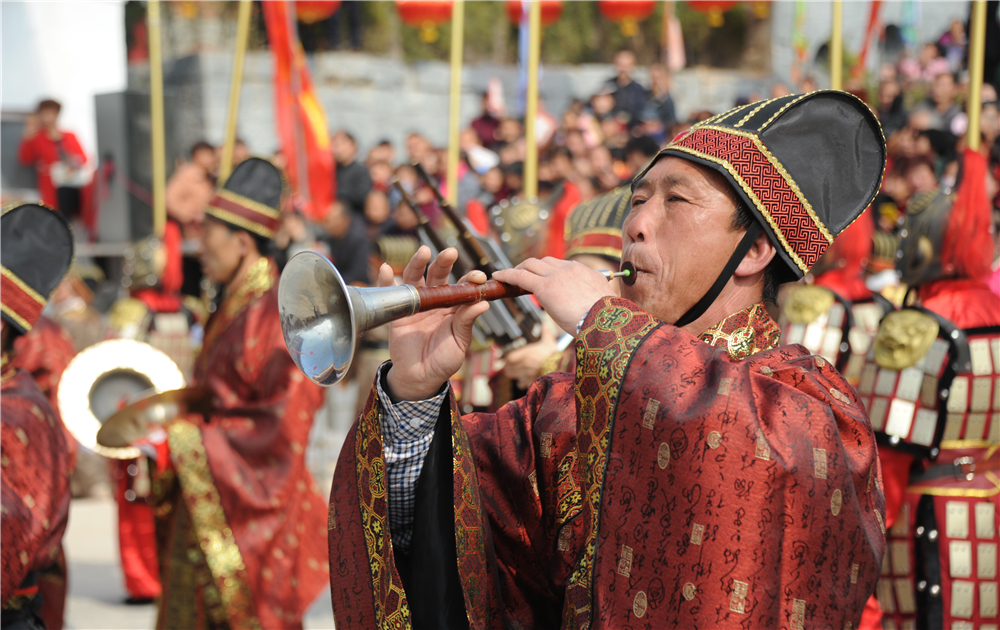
(696, 311)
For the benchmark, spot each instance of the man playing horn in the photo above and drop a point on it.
(690, 472)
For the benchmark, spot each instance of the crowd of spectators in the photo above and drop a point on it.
(601, 143)
(596, 146)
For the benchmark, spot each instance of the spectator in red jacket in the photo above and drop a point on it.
(57, 157)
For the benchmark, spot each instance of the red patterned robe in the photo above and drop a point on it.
(44, 352)
(240, 519)
(35, 500)
(712, 482)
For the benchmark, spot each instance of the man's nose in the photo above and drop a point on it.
(636, 229)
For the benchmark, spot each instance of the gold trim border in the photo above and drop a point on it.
(959, 492)
(34, 295)
(753, 197)
(237, 220)
(256, 206)
(607, 252)
(784, 174)
(209, 519)
(9, 312)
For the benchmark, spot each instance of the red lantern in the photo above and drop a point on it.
(628, 13)
(714, 9)
(310, 11)
(551, 11)
(425, 14)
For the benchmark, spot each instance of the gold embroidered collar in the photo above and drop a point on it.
(744, 333)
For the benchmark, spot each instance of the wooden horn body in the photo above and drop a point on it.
(322, 317)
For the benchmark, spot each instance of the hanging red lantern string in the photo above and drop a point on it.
(426, 15)
(713, 8)
(310, 11)
(628, 13)
(551, 11)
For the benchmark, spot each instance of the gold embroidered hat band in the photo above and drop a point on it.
(595, 227)
(806, 165)
(36, 250)
(250, 199)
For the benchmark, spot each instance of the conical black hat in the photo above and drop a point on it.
(807, 165)
(36, 250)
(251, 198)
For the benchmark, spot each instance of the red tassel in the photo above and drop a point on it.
(967, 250)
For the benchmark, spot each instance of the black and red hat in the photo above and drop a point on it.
(36, 250)
(595, 227)
(250, 199)
(806, 165)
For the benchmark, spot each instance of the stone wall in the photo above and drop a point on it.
(377, 97)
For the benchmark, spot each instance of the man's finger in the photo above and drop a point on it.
(440, 269)
(465, 318)
(385, 276)
(527, 280)
(414, 272)
(475, 276)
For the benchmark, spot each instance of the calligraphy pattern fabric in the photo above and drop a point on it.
(666, 483)
(35, 482)
(251, 501)
(44, 352)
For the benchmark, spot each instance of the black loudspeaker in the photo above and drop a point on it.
(16, 180)
(125, 171)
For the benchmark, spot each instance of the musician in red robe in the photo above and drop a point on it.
(240, 519)
(691, 473)
(36, 248)
(932, 388)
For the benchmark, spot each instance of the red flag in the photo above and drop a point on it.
(302, 127)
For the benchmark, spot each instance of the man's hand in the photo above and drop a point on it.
(525, 364)
(428, 348)
(566, 290)
(31, 125)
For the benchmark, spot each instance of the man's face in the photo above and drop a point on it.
(678, 235)
(221, 250)
(206, 159)
(337, 221)
(625, 63)
(47, 116)
(943, 90)
(343, 149)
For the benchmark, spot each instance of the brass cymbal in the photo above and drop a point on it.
(104, 376)
(137, 420)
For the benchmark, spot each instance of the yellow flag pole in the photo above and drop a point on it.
(235, 83)
(158, 141)
(977, 47)
(531, 106)
(837, 47)
(455, 102)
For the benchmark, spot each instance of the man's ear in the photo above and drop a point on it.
(761, 253)
(247, 244)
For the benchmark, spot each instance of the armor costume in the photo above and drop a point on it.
(710, 481)
(836, 316)
(931, 383)
(36, 248)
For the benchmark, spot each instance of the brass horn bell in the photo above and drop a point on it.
(322, 316)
